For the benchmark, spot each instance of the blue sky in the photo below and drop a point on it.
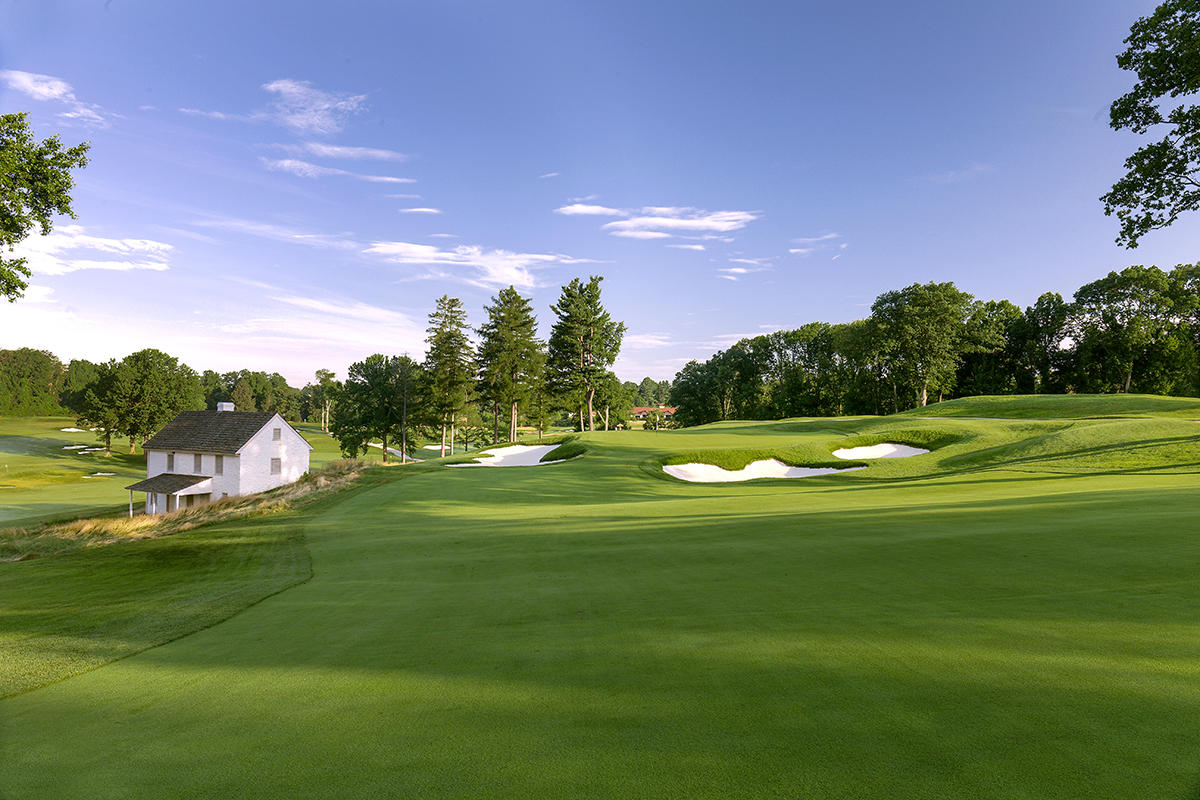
(289, 186)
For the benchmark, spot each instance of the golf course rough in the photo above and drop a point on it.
(1009, 616)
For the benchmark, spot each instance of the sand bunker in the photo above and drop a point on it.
(432, 447)
(885, 450)
(518, 455)
(74, 446)
(72, 430)
(769, 468)
(100, 475)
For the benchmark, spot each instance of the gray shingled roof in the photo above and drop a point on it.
(209, 431)
(167, 483)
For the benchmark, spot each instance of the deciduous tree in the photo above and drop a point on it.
(35, 184)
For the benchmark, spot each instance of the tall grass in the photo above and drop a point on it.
(19, 544)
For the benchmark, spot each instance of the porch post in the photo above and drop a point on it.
(131, 503)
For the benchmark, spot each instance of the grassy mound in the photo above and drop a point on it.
(1063, 406)
(927, 438)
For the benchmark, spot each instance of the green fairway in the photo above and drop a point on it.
(45, 473)
(1013, 615)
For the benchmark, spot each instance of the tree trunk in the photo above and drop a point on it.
(923, 398)
(453, 422)
(131, 449)
(512, 422)
(443, 439)
(581, 428)
(591, 393)
(384, 437)
(1128, 377)
(107, 443)
(606, 418)
(496, 423)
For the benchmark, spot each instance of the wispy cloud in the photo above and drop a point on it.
(960, 175)
(71, 249)
(443, 236)
(196, 112)
(403, 196)
(665, 222)
(687, 246)
(642, 234)
(304, 326)
(811, 244)
(323, 150)
(279, 233)
(647, 341)
(825, 237)
(47, 88)
(583, 209)
(419, 210)
(489, 268)
(304, 169)
(305, 109)
(299, 106)
(548, 175)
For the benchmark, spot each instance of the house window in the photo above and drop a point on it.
(219, 466)
(276, 434)
(276, 466)
(197, 463)
(170, 462)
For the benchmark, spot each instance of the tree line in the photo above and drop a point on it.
(135, 396)
(1137, 330)
(508, 376)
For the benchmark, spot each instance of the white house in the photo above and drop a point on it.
(203, 456)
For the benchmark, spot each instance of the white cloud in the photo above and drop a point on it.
(403, 196)
(647, 341)
(548, 175)
(443, 236)
(671, 220)
(279, 233)
(196, 112)
(305, 169)
(491, 268)
(687, 246)
(825, 237)
(47, 88)
(70, 249)
(323, 150)
(38, 295)
(642, 234)
(728, 277)
(305, 109)
(801, 251)
(754, 262)
(419, 210)
(579, 209)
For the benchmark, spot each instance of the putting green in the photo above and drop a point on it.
(964, 624)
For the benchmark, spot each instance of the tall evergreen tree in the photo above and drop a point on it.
(510, 357)
(448, 363)
(584, 343)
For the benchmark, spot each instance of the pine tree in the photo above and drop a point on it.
(448, 363)
(583, 344)
(510, 358)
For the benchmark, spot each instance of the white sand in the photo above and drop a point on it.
(768, 468)
(102, 474)
(74, 446)
(885, 450)
(92, 450)
(432, 447)
(72, 430)
(518, 455)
